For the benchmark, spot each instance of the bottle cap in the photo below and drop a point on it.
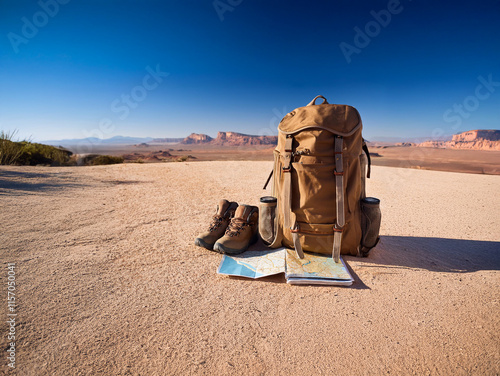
(268, 200)
(371, 200)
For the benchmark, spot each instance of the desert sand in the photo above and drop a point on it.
(109, 281)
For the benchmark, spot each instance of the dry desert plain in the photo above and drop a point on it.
(455, 160)
(110, 283)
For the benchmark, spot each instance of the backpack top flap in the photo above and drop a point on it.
(340, 119)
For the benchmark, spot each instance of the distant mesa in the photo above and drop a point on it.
(196, 138)
(479, 139)
(239, 139)
(476, 135)
(230, 139)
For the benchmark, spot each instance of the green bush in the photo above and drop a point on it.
(33, 154)
(9, 152)
(28, 153)
(105, 160)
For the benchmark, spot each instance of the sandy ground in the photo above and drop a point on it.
(110, 283)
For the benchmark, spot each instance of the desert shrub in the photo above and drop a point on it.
(33, 154)
(105, 160)
(28, 153)
(73, 161)
(9, 152)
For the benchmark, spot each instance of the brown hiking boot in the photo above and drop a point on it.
(220, 221)
(241, 232)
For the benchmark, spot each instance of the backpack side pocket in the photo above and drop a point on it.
(370, 224)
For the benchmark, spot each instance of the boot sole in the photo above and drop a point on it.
(200, 243)
(232, 251)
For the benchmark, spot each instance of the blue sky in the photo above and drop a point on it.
(74, 68)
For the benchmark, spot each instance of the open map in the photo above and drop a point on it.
(316, 269)
(312, 269)
(254, 264)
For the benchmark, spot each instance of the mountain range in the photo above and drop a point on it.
(116, 140)
(223, 138)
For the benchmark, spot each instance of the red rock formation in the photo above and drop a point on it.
(196, 138)
(230, 139)
(240, 139)
(477, 135)
(478, 139)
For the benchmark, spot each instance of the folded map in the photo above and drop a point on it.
(313, 269)
(316, 269)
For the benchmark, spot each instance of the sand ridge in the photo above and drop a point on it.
(109, 281)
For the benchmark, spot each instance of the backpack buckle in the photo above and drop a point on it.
(288, 153)
(289, 143)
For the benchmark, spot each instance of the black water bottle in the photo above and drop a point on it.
(370, 223)
(267, 218)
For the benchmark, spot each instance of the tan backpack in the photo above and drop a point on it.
(320, 164)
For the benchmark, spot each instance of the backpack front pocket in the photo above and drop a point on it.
(316, 237)
(313, 192)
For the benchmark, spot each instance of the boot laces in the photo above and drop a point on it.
(235, 226)
(216, 222)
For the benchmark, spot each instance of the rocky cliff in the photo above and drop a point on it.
(230, 139)
(479, 139)
(196, 138)
(477, 135)
(239, 139)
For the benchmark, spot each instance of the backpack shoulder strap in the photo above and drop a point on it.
(365, 149)
(289, 217)
(339, 198)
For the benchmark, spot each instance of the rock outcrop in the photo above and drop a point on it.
(230, 139)
(405, 144)
(240, 139)
(479, 139)
(477, 135)
(197, 138)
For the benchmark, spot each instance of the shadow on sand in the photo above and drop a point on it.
(433, 254)
(15, 183)
(436, 254)
(23, 182)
